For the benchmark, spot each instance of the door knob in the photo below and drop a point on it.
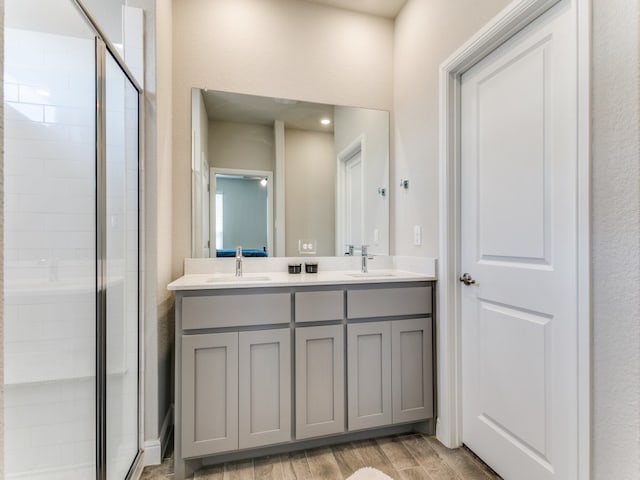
(467, 280)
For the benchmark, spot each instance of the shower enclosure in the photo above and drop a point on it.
(71, 248)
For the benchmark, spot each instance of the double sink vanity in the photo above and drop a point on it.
(270, 362)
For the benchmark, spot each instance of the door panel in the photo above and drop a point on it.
(518, 224)
(264, 387)
(412, 375)
(209, 393)
(511, 159)
(513, 373)
(369, 374)
(319, 381)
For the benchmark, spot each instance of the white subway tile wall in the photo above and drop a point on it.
(50, 255)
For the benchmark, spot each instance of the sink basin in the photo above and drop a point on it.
(371, 275)
(234, 279)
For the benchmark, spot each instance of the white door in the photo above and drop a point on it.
(519, 244)
(353, 195)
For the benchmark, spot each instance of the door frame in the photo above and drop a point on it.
(514, 18)
(357, 145)
(268, 174)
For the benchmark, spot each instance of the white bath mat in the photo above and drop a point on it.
(369, 473)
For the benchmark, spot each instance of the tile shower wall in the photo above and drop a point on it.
(50, 255)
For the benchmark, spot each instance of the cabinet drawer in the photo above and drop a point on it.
(235, 310)
(318, 306)
(384, 302)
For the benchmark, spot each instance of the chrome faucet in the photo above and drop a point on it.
(365, 257)
(349, 252)
(238, 261)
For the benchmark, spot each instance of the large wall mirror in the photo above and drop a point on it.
(283, 177)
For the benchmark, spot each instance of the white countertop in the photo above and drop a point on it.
(213, 281)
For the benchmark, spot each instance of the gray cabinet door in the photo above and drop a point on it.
(265, 387)
(412, 374)
(369, 374)
(209, 393)
(319, 381)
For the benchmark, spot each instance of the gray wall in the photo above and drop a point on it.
(616, 240)
(244, 212)
(310, 190)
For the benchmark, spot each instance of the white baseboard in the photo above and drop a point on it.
(155, 449)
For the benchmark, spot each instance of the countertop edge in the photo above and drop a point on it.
(193, 282)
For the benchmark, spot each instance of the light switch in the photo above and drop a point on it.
(417, 235)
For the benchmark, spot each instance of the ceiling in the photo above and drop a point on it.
(381, 8)
(240, 108)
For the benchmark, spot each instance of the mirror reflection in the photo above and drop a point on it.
(283, 177)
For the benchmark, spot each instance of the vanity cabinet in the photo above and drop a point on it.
(319, 381)
(236, 391)
(390, 375)
(389, 357)
(259, 368)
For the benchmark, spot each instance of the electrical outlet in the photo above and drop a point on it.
(307, 247)
(417, 235)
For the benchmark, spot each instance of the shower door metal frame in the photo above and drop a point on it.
(103, 47)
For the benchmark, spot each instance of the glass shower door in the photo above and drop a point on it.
(50, 242)
(121, 270)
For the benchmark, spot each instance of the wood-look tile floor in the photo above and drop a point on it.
(403, 457)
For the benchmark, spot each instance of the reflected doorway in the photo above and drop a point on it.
(241, 212)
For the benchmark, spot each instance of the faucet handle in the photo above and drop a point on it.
(365, 252)
(349, 251)
(238, 251)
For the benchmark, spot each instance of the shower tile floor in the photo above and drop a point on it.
(403, 457)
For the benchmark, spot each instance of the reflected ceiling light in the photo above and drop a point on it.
(263, 182)
(325, 121)
(42, 92)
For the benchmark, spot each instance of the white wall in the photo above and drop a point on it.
(310, 190)
(426, 33)
(2, 241)
(158, 303)
(159, 329)
(276, 48)
(108, 14)
(616, 240)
